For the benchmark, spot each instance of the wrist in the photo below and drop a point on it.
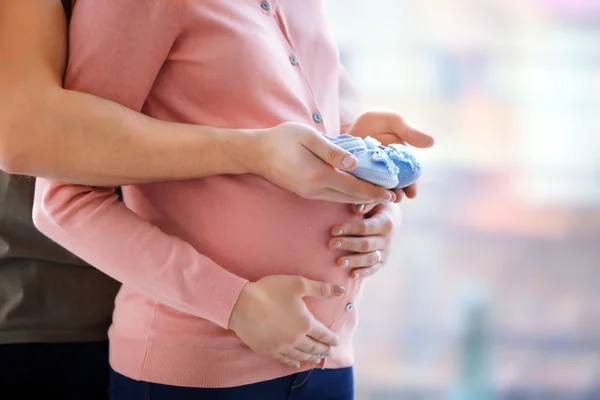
(236, 149)
(248, 294)
(243, 150)
(247, 151)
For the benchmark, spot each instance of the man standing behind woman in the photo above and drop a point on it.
(232, 285)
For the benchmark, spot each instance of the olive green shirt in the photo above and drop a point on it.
(46, 293)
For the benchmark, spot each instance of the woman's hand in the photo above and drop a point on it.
(272, 319)
(368, 240)
(390, 128)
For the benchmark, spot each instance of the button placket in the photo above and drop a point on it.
(293, 58)
(349, 302)
(341, 321)
(265, 5)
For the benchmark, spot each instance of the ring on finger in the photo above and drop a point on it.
(378, 256)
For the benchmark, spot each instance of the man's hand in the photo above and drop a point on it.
(300, 159)
(369, 239)
(271, 318)
(389, 128)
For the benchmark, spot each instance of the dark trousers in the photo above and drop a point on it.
(316, 384)
(65, 371)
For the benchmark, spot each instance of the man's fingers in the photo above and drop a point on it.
(357, 188)
(341, 187)
(352, 189)
(335, 196)
(333, 155)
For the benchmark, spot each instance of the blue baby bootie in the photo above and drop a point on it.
(409, 169)
(374, 165)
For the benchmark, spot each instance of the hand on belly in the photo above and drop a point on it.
(272, 319)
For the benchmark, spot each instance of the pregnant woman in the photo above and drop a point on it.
(233, 287)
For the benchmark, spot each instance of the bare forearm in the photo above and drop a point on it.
(74, 137)
(79, 138)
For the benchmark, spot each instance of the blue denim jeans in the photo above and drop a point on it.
(316, 384)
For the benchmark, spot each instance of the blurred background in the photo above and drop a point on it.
(494, 288)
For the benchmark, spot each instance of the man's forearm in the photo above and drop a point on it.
(79, 138)
(54, 133)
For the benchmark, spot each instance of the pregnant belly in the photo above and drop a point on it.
(247, 225)
(250, 227)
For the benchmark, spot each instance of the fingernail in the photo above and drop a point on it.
(360, 207)
(344, 263)
(356, 276)
(337, 244)
(347, 161)
(296, 365)
(338, 290)
(338, 232)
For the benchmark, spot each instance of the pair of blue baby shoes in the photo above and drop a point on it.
(391, 167)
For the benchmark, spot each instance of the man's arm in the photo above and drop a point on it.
(93, 224)
(51, 132)
(55, 133)
(89, 221)
(69, 136)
